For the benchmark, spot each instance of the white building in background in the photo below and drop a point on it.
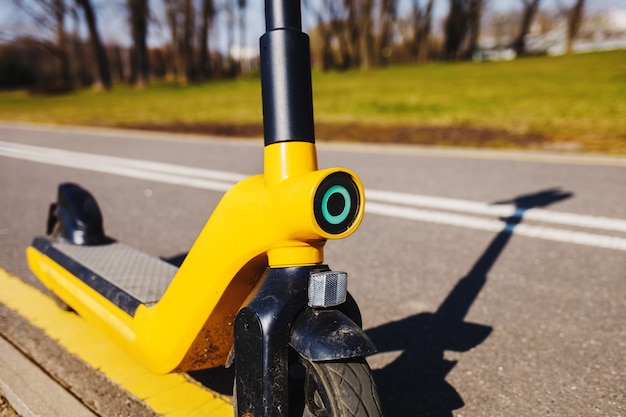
(243, 53)
(602, 32)
(247, 56)
(617, 20)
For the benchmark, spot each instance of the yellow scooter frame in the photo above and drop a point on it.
(264, 220)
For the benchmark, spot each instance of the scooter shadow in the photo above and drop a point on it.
(414, 384)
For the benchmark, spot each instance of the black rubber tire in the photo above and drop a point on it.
(340, 389)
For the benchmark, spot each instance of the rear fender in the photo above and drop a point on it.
(76, 217)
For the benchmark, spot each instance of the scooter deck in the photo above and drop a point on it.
(122, 274)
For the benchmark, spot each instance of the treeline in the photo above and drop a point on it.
(370, 33)
(367, 33)
(64, 59)
(70, 52)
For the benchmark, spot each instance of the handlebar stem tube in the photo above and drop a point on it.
(283, 14)
(286, 75)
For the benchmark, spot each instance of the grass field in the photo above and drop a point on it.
(571, 102)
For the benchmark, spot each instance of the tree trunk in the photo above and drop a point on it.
(231, 65)
(530, 10)
(388, 10)
(421, 22)
(74, 50)
(104, 73)
(177, 70)
(473, 20)
(208, 14)
(351, 34)
(241, 5)
(365, 38)
(324, 34)
(187, 40)
(138, 12)
(64, 55)
(455, 29)
(574, 19)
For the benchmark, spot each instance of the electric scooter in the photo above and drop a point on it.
(253, 290)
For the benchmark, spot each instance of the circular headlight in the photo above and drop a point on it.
(336, 203)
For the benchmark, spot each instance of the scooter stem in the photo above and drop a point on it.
(286, 75)
(282, 14)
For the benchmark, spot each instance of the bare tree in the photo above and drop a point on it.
(187, 41)
(49, 17)
(363, 33)
(64, 54)
(351, 34)
(208, 16)
(138, 11)
(462, 28)
(387, 18)
(355, 32)
(344, 32)
(180, 18)
(574, 19)
(365, 39)
(341, 27)
(229, 7)
(104, 72)
(421, 20)
(455, 29)
(177, 69)
(329, 16)
(241, 7)
(528, 14)
(474, 14)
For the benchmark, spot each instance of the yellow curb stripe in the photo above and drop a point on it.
(171, 395)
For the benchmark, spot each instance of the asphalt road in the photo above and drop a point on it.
(512, 309)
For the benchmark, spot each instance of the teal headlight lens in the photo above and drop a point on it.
(336, 203)
(336, 200)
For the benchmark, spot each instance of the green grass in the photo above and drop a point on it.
(232, 101)
(572, 99)
(578, 98)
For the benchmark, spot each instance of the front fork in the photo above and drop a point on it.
(279, 317)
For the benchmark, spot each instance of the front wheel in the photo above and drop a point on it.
(339, 389)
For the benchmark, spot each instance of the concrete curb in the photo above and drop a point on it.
(31, 392)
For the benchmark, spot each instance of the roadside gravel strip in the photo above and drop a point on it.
(5, 408)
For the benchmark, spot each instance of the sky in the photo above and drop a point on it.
(114, 29)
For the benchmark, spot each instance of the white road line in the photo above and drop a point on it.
(132, 168)
(479, 223)
(501, 210)
(386, 203)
